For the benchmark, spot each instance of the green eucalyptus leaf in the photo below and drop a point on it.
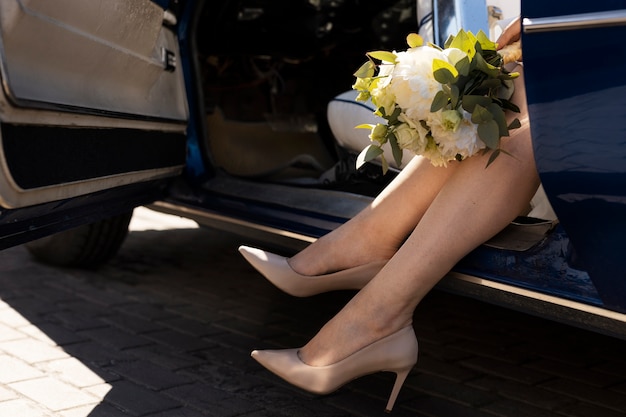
(385, 164)
(493, 157)
(486, 44)
(367, 70)
(509, 105)
(439, 102)
(444, 72)
(414, 40)
(384, 56)
(515, 124)
(463, 66)
(490, 83)
(393, 117)
(506, 90)
(444, 76)
(448, 41)
(368, 154)
(481, 115)
(498, 115)
(454, 96)
(468, 102)
(465, 42)
(485, 67)
(489, 133)
(396, 150)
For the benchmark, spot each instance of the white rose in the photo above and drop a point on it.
(462, 141)
(454, 55)
(410, 138)
(413, 83)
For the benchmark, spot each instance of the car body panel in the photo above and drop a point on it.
(92, 98)
(577, 104)
(571, 273)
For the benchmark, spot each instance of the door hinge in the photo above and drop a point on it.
(169, 59)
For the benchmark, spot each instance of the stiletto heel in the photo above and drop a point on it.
(278, 271)
(395, 353)
(400, 378)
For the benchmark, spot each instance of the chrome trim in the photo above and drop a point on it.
(12, 196)
(569, 312)
(574, 21)
(200, 215)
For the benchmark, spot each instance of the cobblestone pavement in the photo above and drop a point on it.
(166, 330)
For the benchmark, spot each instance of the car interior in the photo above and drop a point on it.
(281, 113)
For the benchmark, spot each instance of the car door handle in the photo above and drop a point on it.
(575, 21)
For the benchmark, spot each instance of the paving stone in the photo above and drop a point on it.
(12, 318)
(589, 410)
(32, 351)
(95, 354)
(9, 333)
(164, 357)
(22, 408)
(440, 387)
(585, 375)
(75, 372)
(132, 324)
(76, 322)
(34, 308)
(53, 394)
(438, 407)
(587, 393)
(13, 369)
(505, 352)
(506, 370)
(181, 412)
(527, 394)
(116, 338)
(52, 334)
(248, 328)
(53, 295)
(445, 369)
(148, 374)
(138, 401)
(6, 394)
(97, 410)
(214, 402)
(191, 327)
(476, 360)
(147, 311)
(512, 409)
(353, 403)
(101, 390)
(179, 341)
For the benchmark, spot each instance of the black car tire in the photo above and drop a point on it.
(87, 246)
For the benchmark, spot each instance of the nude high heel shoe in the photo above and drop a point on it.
(277, 270)
(395, 353)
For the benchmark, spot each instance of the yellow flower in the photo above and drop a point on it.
(379, 133)
(451, 119)
(409, 138)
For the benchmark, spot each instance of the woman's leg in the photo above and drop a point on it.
(475, 204)
(380, 228)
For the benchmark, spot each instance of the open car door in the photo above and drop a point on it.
(572, 53)
(92, 99)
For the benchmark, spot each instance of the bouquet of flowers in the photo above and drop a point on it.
(443, 103)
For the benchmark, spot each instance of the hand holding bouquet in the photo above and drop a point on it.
(443, 103)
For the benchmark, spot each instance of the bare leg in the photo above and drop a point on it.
(474, 205)
(381, 227)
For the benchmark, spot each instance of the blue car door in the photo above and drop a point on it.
(92, 98)
(575, 58)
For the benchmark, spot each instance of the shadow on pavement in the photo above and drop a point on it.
(166, 329)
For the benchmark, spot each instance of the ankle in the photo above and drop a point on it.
(328, 255)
